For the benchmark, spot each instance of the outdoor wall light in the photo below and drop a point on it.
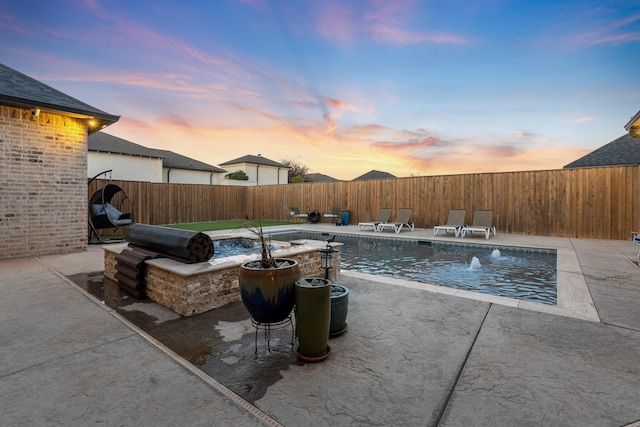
(326, 259)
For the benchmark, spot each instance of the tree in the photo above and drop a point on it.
(239, 175)
(297, 171)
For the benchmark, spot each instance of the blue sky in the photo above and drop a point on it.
(344, 87)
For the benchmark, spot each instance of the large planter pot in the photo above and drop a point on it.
(339, 307)
(269, 294)
(313, 318)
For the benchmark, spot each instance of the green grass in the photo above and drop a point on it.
(206, 226)
(222, 225)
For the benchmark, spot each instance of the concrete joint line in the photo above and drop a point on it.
(464, 363)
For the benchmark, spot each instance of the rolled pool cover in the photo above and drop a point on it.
(183, 245)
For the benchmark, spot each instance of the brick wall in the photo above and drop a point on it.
(43, 184)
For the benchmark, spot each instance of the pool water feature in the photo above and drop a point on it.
(523, 274)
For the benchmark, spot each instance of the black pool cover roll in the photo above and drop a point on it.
(183, 245)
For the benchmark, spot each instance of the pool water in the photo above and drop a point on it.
(237, 246)
(525, 274)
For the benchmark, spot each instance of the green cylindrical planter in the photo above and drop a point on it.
(313, 318)
(339, 307)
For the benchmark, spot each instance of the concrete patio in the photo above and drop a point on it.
(413, 354)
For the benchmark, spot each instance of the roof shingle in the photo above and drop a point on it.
(22, 91)
(622, 151)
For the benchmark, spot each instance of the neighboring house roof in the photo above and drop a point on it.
(319, 177)
(374, 174)
(21, 91)
(178, 161)
(104, 142)
(623, 151)
(255, 160)
(633, 127)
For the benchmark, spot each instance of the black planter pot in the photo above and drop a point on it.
(269, 294)
(339, 307)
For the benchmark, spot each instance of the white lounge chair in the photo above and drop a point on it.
(334, 215)
(383, 216)
(401, 220)
(481, 222)
(455, 222)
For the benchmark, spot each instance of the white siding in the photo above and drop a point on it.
(125, 167)
(185, 176)
(260, 174)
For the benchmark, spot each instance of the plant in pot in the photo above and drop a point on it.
(267, 285)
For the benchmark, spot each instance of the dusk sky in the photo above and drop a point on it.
(344, 87)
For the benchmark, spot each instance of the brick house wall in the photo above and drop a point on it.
(43, 183)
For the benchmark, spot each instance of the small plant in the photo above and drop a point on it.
(267, 260)
(238, 175)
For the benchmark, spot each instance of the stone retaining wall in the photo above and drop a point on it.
(217, 284)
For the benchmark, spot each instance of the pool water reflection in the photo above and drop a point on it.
(524, 274)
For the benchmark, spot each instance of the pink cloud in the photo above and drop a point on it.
(336, 21)
(583, 119)
(399, 36)
(382, 21)
(607, 33)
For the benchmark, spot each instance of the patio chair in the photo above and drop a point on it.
(334, 215)
(481, 222)
(401, 220)
(299, 216)
(455, 222)
(383, 216)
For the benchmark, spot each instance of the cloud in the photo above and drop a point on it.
(383, 21)
(400, 36)
(583, 119)
(611, 32)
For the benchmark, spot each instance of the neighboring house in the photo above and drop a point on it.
(43, 167)
(260, 170)
(374, 174)
(633, 127)
(319, 177)
(126, 160)
(622, 151)
(133, 162)
(179, 169)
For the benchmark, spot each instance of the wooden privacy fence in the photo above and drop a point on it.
(160, 204)
(598, 203)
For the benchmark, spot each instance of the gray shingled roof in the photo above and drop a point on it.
(319, 177)
(255, 160)
(175, 160)
(104, 142)
(623, 151)
(21, 91)
(374, 174)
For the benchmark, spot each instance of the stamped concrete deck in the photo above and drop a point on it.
(413, 354)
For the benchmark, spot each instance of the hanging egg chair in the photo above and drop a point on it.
(109, 208)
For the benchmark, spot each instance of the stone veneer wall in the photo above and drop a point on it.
(191, 295)
(43, 184)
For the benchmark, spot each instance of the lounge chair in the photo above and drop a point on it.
(383, 216)
(400, 221)
(455, 222)
(481, 222)
(298, 215)
(334, 215)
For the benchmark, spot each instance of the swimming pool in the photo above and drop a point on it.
(524, 274)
